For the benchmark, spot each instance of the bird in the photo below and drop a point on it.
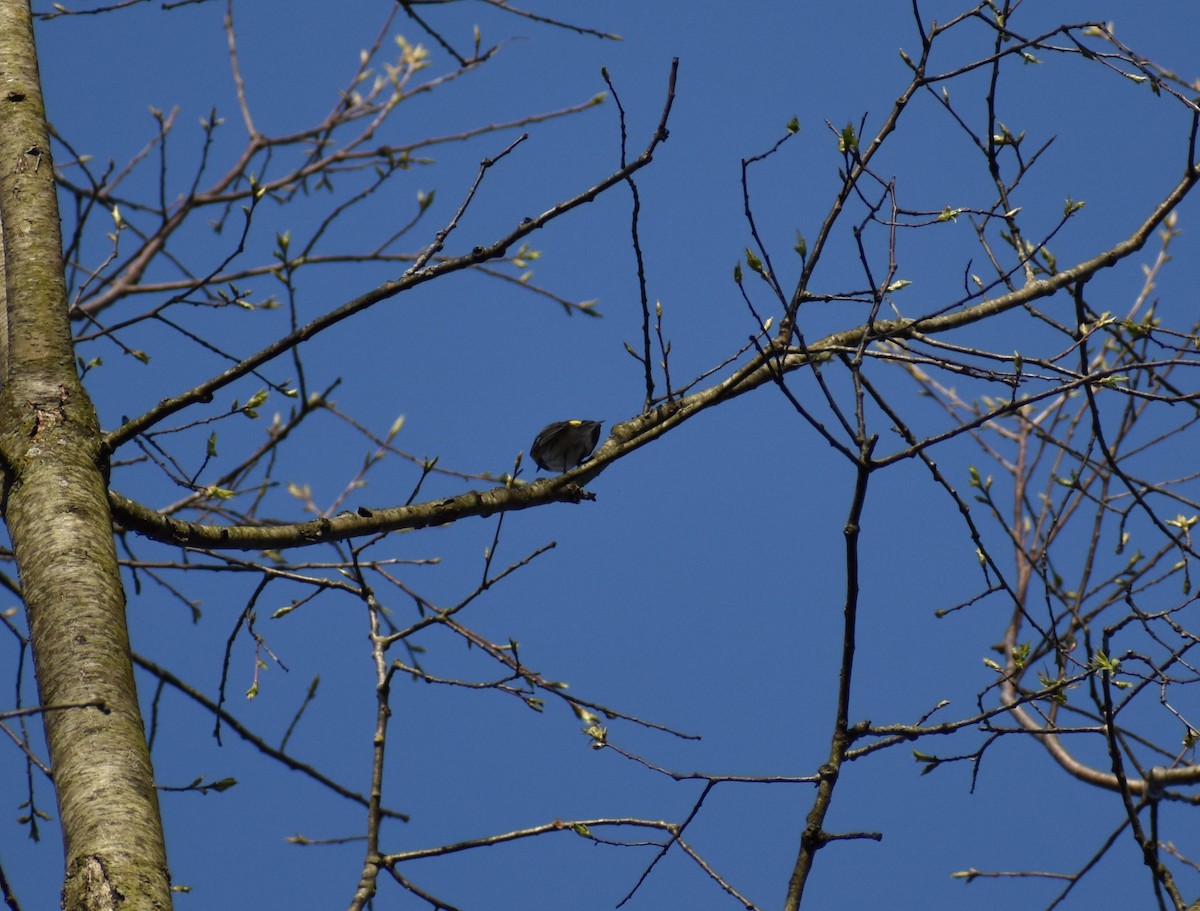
(564, 444)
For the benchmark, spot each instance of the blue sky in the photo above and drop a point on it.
(702, 590)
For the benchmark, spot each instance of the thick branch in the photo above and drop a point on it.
(627, 436)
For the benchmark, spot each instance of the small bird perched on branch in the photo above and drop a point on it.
(564, 444)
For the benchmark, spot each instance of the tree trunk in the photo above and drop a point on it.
(57, 513)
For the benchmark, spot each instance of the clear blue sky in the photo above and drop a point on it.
(702, 590)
